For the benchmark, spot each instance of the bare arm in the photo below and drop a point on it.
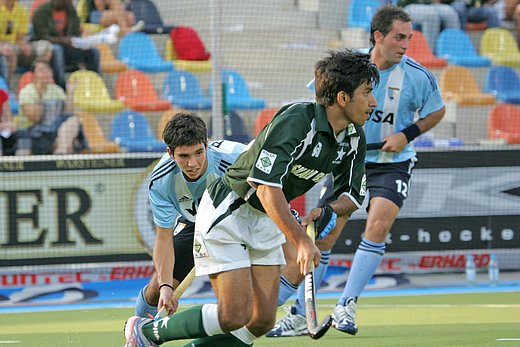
(396, 141)
(277, 209)
(164, 259)
(33, 112)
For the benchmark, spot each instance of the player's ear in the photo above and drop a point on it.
(170, 152)
(343, 99)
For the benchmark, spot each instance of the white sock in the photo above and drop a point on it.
(244, 335)
(210, 319)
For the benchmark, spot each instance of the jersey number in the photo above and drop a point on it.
(377, 117)
(402, 187)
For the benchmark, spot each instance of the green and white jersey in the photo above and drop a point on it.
(295, 151)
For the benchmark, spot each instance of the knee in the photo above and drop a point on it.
(232, 319)
(261, 326)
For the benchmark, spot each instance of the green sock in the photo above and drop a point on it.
(221, 340)
(183, 325)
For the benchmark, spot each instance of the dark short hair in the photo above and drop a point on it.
(185, 129)
(384, 19)
(342, 71)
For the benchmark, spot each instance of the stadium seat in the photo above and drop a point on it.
(237, 92)
(263, 118)
(504, 123)
(13, 100)
(137, 92)
(95, 136)
(500, 46)
(138, 51)
(189, 65)
(146, 11)
(109, 63)
(504, 82)
(360, 13)
(91, 93)
(457, 83)
(165, 117)
(82, 10)
(234, 128)
(421, 51)
(183, 90)
(455, 45)
(133, 133)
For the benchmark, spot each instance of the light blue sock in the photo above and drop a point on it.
(319, 274)
(366, 260)
(287, 289)
(142, 307)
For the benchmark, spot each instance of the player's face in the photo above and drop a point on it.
(394, 44)
(361, 104)
(192, 160)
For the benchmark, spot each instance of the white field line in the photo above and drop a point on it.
(9, 342)
(432, 305)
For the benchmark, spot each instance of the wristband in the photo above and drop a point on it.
(411, 132)
(166, 285)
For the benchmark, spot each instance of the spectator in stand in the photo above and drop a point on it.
(7, 128)
(477, 11)
(47, 126)
(57, 21)
(14, 49)
(512, 14)
(108, 12)
(432, 16)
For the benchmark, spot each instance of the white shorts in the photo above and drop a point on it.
(243, 238)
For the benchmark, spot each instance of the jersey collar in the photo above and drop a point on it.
(322, 123)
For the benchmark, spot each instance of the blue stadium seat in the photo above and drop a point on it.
(234, 128)
(13, 103)
(132, 132)
(237, 92)
(146, 11)
(138, 51)
(182, 89)
(360, 13)
(504, 82)
(455, 45)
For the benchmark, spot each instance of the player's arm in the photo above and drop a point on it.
(164, 259)
(397, 141)
(277, 208)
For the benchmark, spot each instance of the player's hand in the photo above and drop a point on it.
(394, 142)
(307, 253)
(165, 300)
(325, 219)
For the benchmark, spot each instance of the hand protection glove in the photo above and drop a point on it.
(325, 222)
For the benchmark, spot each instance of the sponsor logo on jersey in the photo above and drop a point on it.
(265, 161)
(184, 198)
(307, 174)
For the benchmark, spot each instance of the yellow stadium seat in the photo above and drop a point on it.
(500, 46)
(165, 117)
(457, 83)
(91, 93)
(108, 61)
(189, 65)
(95, 136)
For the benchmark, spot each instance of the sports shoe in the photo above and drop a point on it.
(344, 316)
(291, 325)
(134, 333)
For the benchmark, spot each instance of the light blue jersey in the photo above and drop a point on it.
(403, 90)
(171, 196)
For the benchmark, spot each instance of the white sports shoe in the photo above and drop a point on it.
(344, 317)
(291, 325)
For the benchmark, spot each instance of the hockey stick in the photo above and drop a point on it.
(177, 293)
(315, 331)
(377, 145)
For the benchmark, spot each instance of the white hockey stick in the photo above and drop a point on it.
(315, 331)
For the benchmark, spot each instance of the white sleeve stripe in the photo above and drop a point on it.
(351, 198)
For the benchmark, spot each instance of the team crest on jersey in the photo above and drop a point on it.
(317, 150)
(265, 161)
(363, 189)
(393, 92)
(199, 248)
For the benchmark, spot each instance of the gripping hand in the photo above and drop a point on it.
(325, 222)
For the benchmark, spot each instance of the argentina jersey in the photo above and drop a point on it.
(404, 89)
(171, 196)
